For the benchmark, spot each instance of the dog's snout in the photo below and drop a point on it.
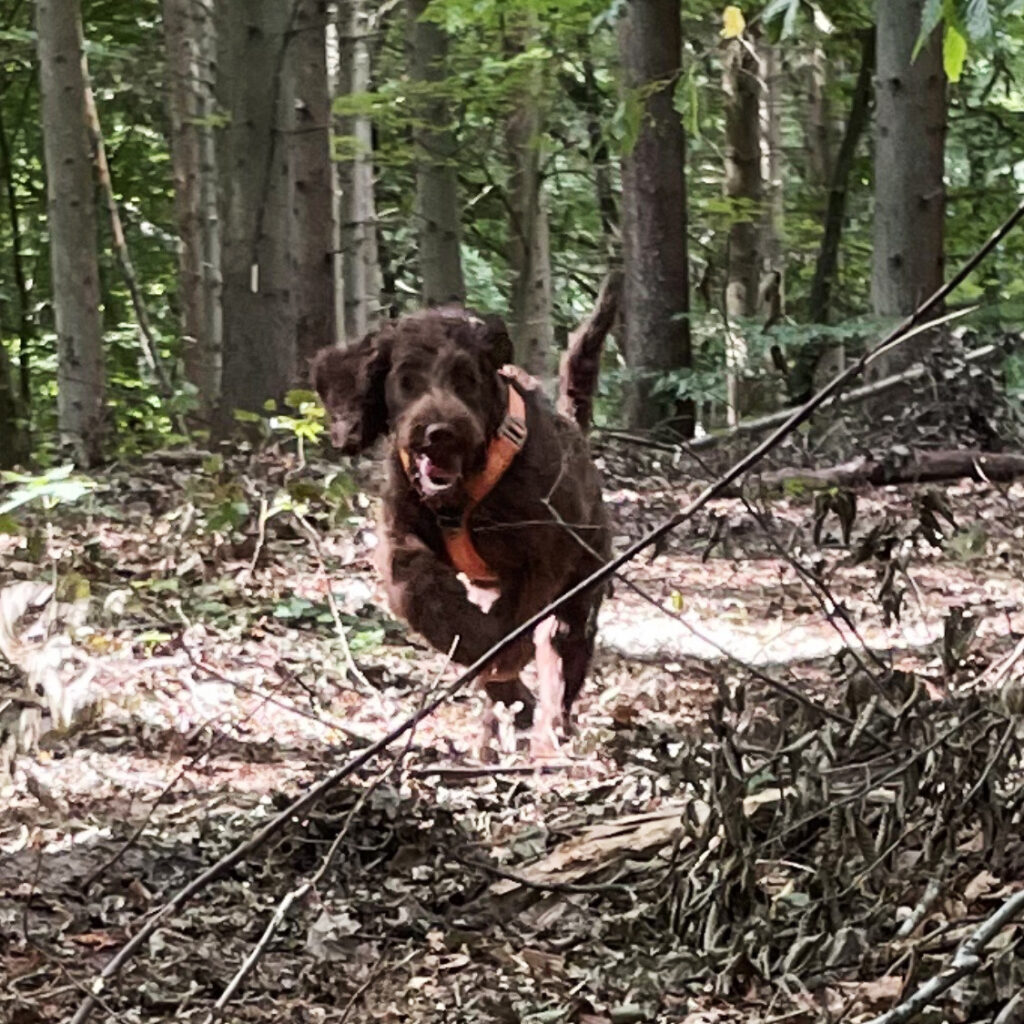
(438, 433)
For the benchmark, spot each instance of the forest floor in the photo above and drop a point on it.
(789, 748)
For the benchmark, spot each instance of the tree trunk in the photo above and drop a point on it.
(529, 244)
(259, 313)
(656, 293)
(910, 99)
(150, 347)
(12, 426)
(360, 268)
(817, 124)
(190, 40)
(828, 254)
(306, 106)
(81, 377)
(437, 199)
(744, 188)
(26, 330)
(771, 158)
(587, 96)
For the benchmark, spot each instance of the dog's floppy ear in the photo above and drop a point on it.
(497, 341)
(350, 382)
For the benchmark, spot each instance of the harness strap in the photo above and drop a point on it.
(501, 453)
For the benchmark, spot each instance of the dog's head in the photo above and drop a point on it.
(431, 379)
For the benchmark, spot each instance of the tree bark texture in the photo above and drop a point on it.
(910, 119)
(258, 261)
(835, 214)
(817, 122)
(742, 81)
(656, 292)
(13, 439)
(437, 198)
(189, 34)
(26, 328)
(306, 106)
(744, 184)
(532, 329)
(360, 270)
(773, 223)
(81, 377)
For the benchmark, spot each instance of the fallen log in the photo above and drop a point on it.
(581, 362)
(905, 467)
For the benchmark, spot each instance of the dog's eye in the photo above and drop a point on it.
(406, 382)
(463, 377)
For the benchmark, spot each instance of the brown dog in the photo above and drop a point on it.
(486, 480)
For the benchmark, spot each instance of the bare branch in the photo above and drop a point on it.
(966, 961)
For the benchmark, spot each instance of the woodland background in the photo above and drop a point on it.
(282, 175)
(796, 793)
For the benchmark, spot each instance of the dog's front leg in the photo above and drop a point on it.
(426, 592)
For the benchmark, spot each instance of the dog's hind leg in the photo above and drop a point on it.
(574, 642)
(551, 685)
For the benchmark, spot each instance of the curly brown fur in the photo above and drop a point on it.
(431, 380)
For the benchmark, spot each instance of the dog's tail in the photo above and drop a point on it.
(581, 362)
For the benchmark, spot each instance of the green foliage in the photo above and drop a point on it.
(568, 49)
(60, 486)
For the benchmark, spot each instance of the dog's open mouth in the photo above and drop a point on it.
(434, 480)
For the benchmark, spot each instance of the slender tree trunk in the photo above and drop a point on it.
(529, 243)
(773, 224)
(587, 96)
(189, 32)
(14, 443)
(817, 123)
(601, 158)
(81, 377)
(910, 98)
(26, 331)
(437, 199)
(744, 188)
(307, 108)
(360, 269)
(150, 347)
(828, 254)
(821, 355)
(258, 304)
(656, 291)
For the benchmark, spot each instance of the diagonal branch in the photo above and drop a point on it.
(966, 961)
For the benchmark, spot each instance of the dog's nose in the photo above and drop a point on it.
(438, 433)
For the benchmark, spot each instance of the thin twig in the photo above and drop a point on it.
(339, 627)
(966, 961)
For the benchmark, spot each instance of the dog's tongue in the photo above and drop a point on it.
(433, 479)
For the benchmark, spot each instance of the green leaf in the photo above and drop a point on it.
(954, 52)
(789, 9)
(298, 397)
(978, 19)
(931, 16)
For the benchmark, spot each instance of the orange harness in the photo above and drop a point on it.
(506, 445)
